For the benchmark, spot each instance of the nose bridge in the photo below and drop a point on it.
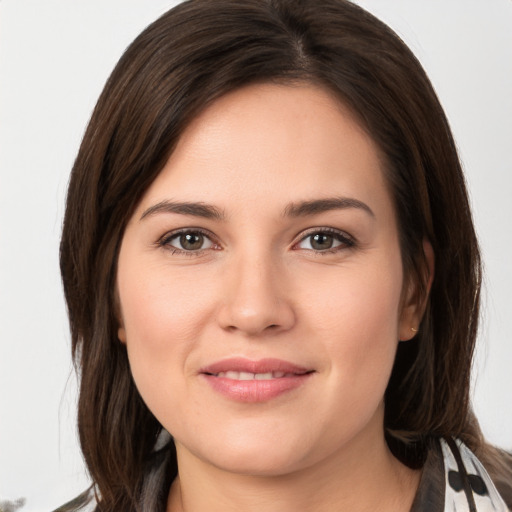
(255, 294)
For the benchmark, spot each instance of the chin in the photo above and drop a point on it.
(260, 463)
(263, 455)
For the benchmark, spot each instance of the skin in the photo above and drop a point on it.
(258, 288)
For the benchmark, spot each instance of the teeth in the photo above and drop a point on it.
(263, 376)
(251, 376)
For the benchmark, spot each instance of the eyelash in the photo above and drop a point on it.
(165, 241)
(346, 241)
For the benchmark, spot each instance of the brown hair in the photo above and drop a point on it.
(193, 54)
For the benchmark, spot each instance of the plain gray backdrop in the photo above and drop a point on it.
(55, 56)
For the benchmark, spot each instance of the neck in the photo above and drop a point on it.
(361, 477)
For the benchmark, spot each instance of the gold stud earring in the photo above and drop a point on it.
(413, 329)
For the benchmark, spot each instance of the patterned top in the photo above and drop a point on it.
(453, 480)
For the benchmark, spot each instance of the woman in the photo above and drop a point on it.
(268, 254)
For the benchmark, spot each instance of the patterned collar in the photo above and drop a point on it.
(454, 480)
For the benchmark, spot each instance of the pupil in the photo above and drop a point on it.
(191, 241)
(321, 241)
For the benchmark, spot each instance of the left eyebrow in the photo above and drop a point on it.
(315, 206)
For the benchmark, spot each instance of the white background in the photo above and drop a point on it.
(55, 56)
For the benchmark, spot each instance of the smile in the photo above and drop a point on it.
(253, 376)
(244, 380)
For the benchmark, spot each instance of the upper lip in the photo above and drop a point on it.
(240, 364)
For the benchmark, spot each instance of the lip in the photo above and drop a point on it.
(253, 391)
(240, 364)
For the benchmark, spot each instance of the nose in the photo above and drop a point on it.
(255, 300)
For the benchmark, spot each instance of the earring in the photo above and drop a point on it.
(412, 337)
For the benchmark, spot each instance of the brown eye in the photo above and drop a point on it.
(187, 241)
(325, 241)
(321, 241)
(191, 241)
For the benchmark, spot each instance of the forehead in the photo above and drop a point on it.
(266, 144)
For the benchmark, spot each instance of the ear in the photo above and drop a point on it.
(415, 299)
(121, 331)
(121, 334)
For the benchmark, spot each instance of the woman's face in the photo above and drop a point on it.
(260, 285)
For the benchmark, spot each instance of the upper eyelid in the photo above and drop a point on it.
(175, 232)
(332, 231)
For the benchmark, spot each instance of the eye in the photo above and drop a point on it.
(187, 241)
(325, 240)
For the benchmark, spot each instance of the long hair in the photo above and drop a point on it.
(193, 54)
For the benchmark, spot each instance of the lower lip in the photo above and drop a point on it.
(255, 390)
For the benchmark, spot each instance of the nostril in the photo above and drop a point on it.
(254, 316)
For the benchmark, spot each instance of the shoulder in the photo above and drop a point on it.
(85, 502)
(11, 505)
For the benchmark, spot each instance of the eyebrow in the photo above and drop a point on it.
(313, 207)
(298, 209)
(206, 211)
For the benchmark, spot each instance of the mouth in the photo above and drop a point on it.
(243, 369)
(244, 380)
(254, 376)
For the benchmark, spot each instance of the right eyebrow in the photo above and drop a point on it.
(206, 211)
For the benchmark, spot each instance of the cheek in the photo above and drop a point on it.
(159, 306)
(163, 316)
(359, 301)
(358, 321)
